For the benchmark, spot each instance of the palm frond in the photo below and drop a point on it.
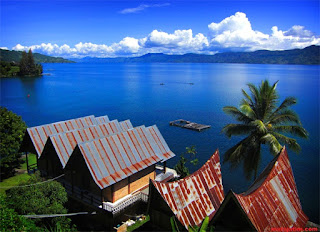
(274, 145)
(233, 111)
(236, 129)
(255, 92)
(294, 130)
(247, 96)
(289, 101)
(292, 143)
(260, 127)
(285, 116)
(269, 98)
(235, 154)
(247, 109)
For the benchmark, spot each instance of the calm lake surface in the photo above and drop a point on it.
(133, 91)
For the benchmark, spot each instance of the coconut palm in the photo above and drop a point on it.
(264, 122)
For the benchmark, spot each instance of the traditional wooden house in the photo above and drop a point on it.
(59, 147)
(114, 170)
(272, 201)
(36, 137)
(190, 199)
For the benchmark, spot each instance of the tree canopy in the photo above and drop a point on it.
(12, 129)
(181, 167)
(263, 121)
(40, 198)
(11, 221)
(27, 65)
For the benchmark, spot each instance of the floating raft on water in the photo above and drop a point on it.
(189, 125)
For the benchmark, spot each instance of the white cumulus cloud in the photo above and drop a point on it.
(180, 40)
(236, 32)
(232, 33)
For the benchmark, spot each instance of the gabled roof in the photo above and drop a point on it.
(272, 201)
(113, 158)
(64, 143)
(161, 143)
(39, 134)
(199, 195)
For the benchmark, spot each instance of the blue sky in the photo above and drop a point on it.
(102, 28)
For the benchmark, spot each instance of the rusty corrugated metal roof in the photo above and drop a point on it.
(40, 134)
(161, 143)
(64, 143)
(273, 201)
(102, 119)
(199, 195)
(111, 159)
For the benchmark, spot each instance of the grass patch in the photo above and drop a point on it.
(138, 224)
(32, 159)
(13, 181)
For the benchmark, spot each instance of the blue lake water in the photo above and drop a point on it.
(133, 91)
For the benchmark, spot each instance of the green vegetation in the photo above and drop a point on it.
(11, 221)
(41, 198)
(15, 56)
(263, 121)
(13, 181)
(12, 129)
(203, 228)
(27, 65)
(32, 159)
(138, 224)
(181, 167)
(8, 69)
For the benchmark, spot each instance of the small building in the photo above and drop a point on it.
(272, 201)
(190, 199)
(105, 164)
(59, 147)
(114, 170)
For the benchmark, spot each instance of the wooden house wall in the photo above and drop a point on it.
(78, 174)
(49, 163)
(129, 184)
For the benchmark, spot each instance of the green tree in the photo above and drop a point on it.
(263, 122)
(27, 65)
(41, 198)
(11, 221)
(12, 129)
(31, 64)
(181, 167)
(23, 64)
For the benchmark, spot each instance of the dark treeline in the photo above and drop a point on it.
(25, 67)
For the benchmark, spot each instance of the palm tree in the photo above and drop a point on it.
(264, 122)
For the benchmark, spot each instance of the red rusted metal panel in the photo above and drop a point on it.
(64, 143)
(199, 195)
(273, 200)
(115, 157)
(40, 134)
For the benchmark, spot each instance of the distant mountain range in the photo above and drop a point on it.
(15, 56)
(308, 55)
